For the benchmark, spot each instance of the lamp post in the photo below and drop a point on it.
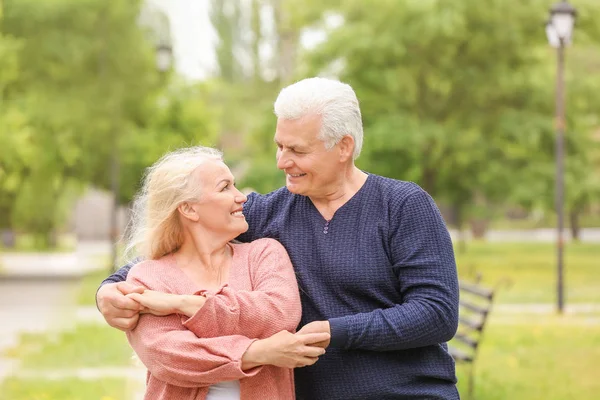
(164, 57)
(164, 60)
(559, 30)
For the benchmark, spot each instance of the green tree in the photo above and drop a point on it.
(85, 70)
(456, 96)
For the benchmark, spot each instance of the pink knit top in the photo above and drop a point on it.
(184, 356)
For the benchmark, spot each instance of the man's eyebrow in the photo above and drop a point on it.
(291, 146)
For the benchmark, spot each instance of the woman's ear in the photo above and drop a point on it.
(346, 148)
(188, 211)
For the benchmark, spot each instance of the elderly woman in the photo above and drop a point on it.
(213, 310)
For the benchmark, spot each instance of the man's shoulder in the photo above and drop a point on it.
(394, 188)
(277, 194)
(276, 200)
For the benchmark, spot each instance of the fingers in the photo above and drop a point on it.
(135, 297)
(324, 344)
(126, 288)
(126, 303)
(306, 361)
(313, 352)
(124, 324)
(310, 338)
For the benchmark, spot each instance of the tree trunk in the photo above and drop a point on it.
(255, 23)
(575, 227)
(287, 43)
(459, 222)
(429, 181)
(8, 238)
(479, 227)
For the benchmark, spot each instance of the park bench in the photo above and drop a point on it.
(475, 305)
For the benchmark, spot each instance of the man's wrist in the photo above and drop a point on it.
(339, 332)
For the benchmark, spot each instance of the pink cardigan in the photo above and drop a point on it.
(184, 356)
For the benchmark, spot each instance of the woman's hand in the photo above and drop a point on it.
(161, 304)
(284, 349)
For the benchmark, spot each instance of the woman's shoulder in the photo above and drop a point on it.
(151, 271)
(260, 245)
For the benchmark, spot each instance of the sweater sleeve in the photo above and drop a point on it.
(120, 275)
(255, 216)
(177, 356)
(273, 304)
(423, 261)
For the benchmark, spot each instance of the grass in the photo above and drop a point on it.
(86, 293)
(522, 356)
(537, 357)
(68, 389)
(87, 345)
(548, 221)
(526, 272)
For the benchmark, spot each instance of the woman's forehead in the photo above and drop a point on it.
(211, 172)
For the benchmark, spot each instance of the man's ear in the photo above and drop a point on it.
(188, 211)
(346, 148)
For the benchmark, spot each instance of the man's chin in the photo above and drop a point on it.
(293, 189)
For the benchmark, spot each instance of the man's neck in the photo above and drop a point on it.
(341, 193)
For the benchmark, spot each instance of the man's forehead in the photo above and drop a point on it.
(294, 135)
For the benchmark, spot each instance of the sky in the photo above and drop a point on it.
(193, 36)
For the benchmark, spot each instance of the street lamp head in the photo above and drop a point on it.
(551, 34)
(164, 57)
(562, 19)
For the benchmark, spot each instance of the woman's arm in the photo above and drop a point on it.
(176, 356)
(273, 304)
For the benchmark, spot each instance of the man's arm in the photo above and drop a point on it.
(423, 259)
(121, 274)
(118, 310)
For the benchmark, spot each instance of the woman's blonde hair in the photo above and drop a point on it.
(155, 230)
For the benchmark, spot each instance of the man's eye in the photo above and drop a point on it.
(226, 187)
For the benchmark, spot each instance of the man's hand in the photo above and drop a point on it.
(285, 349)
(118, 310)
(161, 304)
(317, 327)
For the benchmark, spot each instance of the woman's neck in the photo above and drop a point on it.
(203, 251)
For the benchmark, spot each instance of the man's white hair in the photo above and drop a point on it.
(333, 100)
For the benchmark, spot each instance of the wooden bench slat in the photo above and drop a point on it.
(466, 339)
(476, 290)
(474, 325)
(460, 355)
(474, 307)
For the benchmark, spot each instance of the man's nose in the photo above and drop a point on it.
(283, 161)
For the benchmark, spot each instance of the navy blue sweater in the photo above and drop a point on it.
(382, 271)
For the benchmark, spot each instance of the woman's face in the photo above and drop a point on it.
(220, 205)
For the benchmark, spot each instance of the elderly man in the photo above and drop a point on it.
(372, 255)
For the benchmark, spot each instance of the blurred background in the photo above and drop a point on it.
(491, 106)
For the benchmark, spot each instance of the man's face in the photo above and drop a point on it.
(310, 169)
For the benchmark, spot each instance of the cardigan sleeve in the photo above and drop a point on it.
(423, 259)
(177, 356)
(273, 304)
